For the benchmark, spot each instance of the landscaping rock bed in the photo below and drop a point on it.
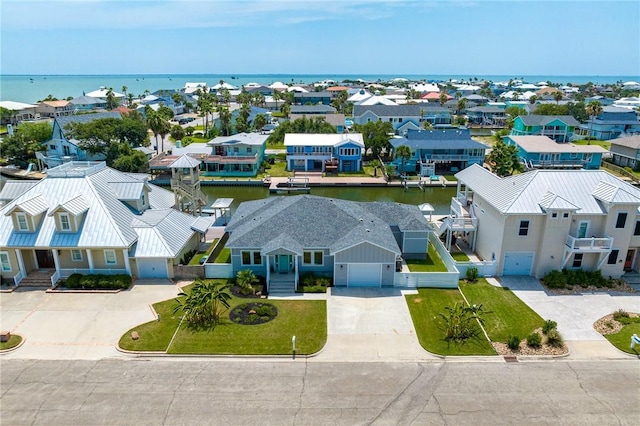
(618, 286)
(608, 325)
(253, 313)
(524, 349)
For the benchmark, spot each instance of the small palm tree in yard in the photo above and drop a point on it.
(376, 165)
(404, 153)
(206, 303)
(245, 281)
(461, 322)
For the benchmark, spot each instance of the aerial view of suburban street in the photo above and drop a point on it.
(284, 212)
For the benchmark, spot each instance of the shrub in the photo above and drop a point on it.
(534, 340)
(548, 326)
(514, 343)
(555, 279)
(554, 338)
(472, 275)
(98, 281)
(73, 281)
(461, 322)
(620, 313)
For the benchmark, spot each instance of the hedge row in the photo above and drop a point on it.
(98, 282)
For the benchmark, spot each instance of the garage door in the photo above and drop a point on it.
(364, 275)
(517, 264)
(152, 268)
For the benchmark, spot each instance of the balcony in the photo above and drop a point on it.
(231, 159)
(589, 245)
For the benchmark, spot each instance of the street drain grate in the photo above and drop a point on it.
(510, 358)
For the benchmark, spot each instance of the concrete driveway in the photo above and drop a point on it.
(370, 325)
(575, 314)
(78, 325)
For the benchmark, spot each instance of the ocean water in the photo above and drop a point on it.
(32, 88)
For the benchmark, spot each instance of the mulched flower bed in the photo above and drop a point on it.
(253, 313)
(618, 286)
(608, 325)
(524, 349)
(236, 291)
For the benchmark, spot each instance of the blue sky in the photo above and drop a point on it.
(320, 37)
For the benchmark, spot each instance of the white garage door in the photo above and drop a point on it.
(517, 263)
(152, 268)
(364, 275)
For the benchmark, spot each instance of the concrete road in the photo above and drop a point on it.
(193, 392)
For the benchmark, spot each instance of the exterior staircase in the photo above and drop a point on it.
(633, 279)
(38, 278)
(282, 283)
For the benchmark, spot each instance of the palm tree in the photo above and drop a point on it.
(504, 159)
(159, 126)
(124, 90)
(462, 104)
(111, 100)
(533, 99)
(206, 303)
(443, 98)
(376, 164)
(130, 99)
(557, 96)
(594, 109)
(245, 281)
(276, 97)
(404, 153)
(260, 121)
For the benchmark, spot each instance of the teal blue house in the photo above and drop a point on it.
(542, 152)
(326, 152)
(558, 127)
(239, 155)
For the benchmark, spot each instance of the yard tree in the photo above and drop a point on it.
(159, 126)
(403, 152)
(96, 135)
(6, 115)
(462, 104)
(594, 109)
(27, 139)
(443, 98)
(225, 119)
(557, 96)
(375, 135)
(245, 280)
(133, 130)
(177, 132)
(204, 305)
(375, 164)
(122, 157)
(504, 159)
(112, 102)
(260, 121)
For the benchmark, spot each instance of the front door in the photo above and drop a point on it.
(628, 262)
(283, 263)
(45, 259)
(583, 229)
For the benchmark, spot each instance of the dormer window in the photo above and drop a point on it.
(143, 198)
(65, 223)
(21, 219)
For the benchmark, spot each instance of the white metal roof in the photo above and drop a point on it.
(536, 143)
(222, 203)
(32, 206)
(15, 106)
(75, 206)
(185, 161)
(521, 194)
(322, 139)
(14, 188)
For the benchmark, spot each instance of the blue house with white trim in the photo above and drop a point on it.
(542, 152)
(613, 122)
(324, 152)
(439, 151)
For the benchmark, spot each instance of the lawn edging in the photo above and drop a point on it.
(22, 340)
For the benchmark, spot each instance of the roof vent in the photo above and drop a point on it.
(361, 220)
(368, 230)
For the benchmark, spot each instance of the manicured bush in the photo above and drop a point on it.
(555, 279)
(534, 340)
(98, 282)
(73, 281)
(472, 275)
(620, 313)
(548, 326)
(513, 342)
(554, 338)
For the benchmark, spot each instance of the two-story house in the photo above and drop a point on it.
(87, 103)
(438, 151)
(312, 98)
(355, 243)
(558, 127)
(490, 116)
(324, 152)
(542, 152)
(61, 149)
(87, 218)
(237, 155)
(542, 220)
(613, 122)
(54, 109)
(626, 151)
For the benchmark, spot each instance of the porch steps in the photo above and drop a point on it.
(279, 285)
(633, 279)
(38, 278)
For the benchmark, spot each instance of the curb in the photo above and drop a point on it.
(24, 339)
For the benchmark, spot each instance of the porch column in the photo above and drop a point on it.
(268, 270)
(56, 260)
(90, 260)
(297, 263)
(127, 265)
(20, 262)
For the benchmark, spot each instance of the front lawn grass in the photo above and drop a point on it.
(305, 319)
(459, 256)
(432, 263)
(426, 307)
(195, 260)
(14, 341)
(224, 256)
(278, 169)
(505, 314)
(622, 339)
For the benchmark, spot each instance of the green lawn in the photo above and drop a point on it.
(432, 263)
(196, 258)
(224, 256)
(622, 339)
(14, 341)
(459, 256)
(506, 315)
(450, 178)
(307, 320)
(605, 144)
(278, 169)
(425, 308)
(276, 145)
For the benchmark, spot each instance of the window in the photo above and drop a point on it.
(524, 228)
(636, 231)
(22, 222)
(143, 199)
(236, 150)
(110, 257)
(622, 220)
(349, 151)
(613, 257)
(577, 260)
(65, 225)
(249, 150)
(312, 258)
(251, 258)
(554, 215)
(76, 255)
(4, 260)
(565, 215)
(52, 147)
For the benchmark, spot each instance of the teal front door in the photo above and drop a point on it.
(283, 263)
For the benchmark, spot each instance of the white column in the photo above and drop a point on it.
(268, 271)
(56, 260)
(127, 265)
(297, 263)
(90, 260)
(21, 262)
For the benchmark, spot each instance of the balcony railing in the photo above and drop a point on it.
(589, 244)
(228, 159)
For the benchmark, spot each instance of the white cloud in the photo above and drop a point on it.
(176, 14)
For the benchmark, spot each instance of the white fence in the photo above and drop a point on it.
(447, 279)
(485, 268)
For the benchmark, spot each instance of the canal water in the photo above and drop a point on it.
(438, 197)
